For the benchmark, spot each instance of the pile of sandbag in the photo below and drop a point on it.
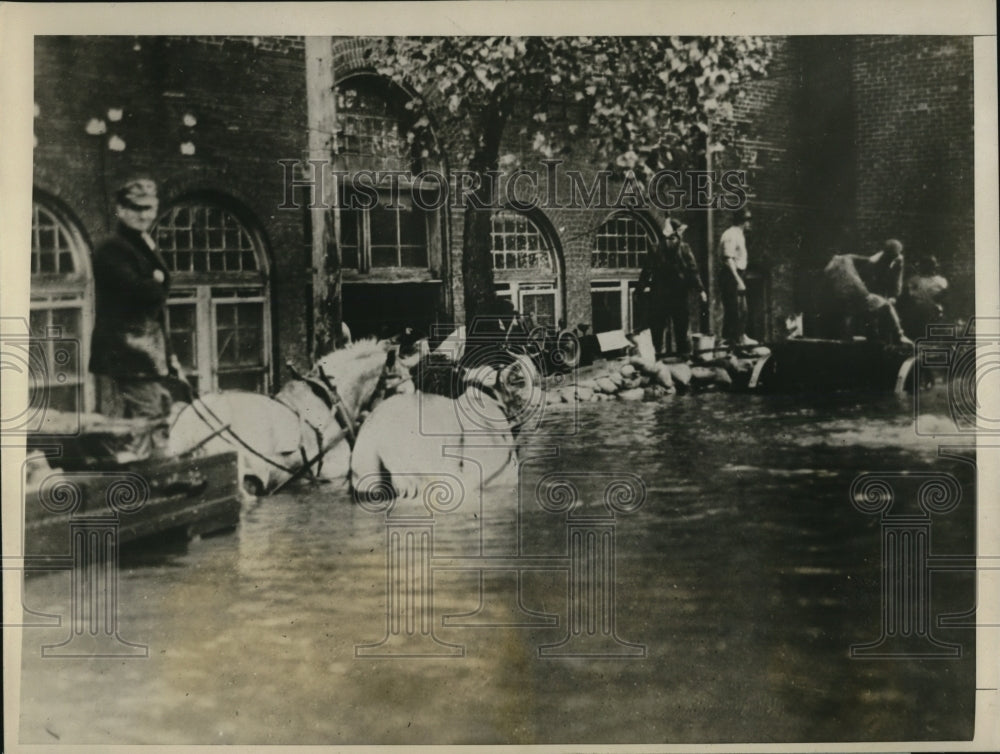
(642, 379)
(633, 379)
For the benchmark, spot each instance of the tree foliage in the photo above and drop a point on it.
(635, 104)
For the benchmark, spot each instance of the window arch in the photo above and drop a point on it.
(198, 237)
(218, 313)
(390, 227)
(517, 243)
(621, 245)
(373, 124)
(622, 242)
(526, 267)
(61, 304)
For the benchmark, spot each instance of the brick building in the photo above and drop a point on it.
(846, 141)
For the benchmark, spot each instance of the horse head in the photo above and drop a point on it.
(333, 398)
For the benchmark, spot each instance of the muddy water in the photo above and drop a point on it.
(740, 584)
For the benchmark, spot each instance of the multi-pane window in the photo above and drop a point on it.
(390, 234)
(621, 243)
(182, 327)
(61, 312)
(620, 248)
(53, 249)
(217, 313)
(239, 333)
(518, 244)
(525, 268)
(371, 135)
(205, 238)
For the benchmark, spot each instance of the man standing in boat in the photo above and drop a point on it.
(733, 259)
(130, 348)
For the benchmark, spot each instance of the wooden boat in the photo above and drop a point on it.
(820, 365)
(109, 476)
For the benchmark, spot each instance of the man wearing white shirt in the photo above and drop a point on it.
(733, 258)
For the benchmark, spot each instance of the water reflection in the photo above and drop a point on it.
(746, 574)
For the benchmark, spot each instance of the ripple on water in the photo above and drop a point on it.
(746, 573)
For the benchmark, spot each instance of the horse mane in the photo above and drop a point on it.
(358, 349)
(348, 367)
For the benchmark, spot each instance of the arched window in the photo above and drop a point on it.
(525, 267)
(518, 244)
(392, 227)
(372, 125)
(61, 306)
(218, 314)
(620, 247)
(622, 242)
(387, 229)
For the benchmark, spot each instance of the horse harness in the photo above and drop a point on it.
(326, 391)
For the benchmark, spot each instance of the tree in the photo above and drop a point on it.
(646, 101)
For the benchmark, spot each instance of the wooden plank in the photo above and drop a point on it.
(195, 496)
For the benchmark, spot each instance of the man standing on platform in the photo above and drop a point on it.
(733, 259)
(670, 273)
(130, 348)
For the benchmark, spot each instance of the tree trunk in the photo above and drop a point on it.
(477, 259)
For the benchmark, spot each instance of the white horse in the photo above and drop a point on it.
(310, 422)
(413, 441)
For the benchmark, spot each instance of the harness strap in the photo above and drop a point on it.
(340, 409)
(303, 423)
(227, 429)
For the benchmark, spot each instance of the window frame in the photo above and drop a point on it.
(514, 284)
(625, 288)
(366, 269)
(74, 290)
(622, 269)
(201, 288)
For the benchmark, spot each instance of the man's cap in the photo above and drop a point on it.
(673, 227)
(137, 193)
(893, 247)
(743, 215)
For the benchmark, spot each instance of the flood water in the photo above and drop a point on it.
(740, 584)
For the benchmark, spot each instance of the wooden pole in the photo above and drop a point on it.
(710, 233)
(321, 116)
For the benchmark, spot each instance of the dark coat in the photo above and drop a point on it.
(670, 273)
(130, 337)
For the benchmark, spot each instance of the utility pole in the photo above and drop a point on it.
(713, 297)
(325, 268)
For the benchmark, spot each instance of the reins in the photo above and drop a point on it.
(341, 412)
(326, 391)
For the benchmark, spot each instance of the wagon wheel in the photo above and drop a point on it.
(567, 350)
(522, 389)
(534, 345)
(516, 336)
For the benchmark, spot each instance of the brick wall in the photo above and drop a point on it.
(914, 109)
(851, 140)
(247, 96)
(847, 141)
(767, 149)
